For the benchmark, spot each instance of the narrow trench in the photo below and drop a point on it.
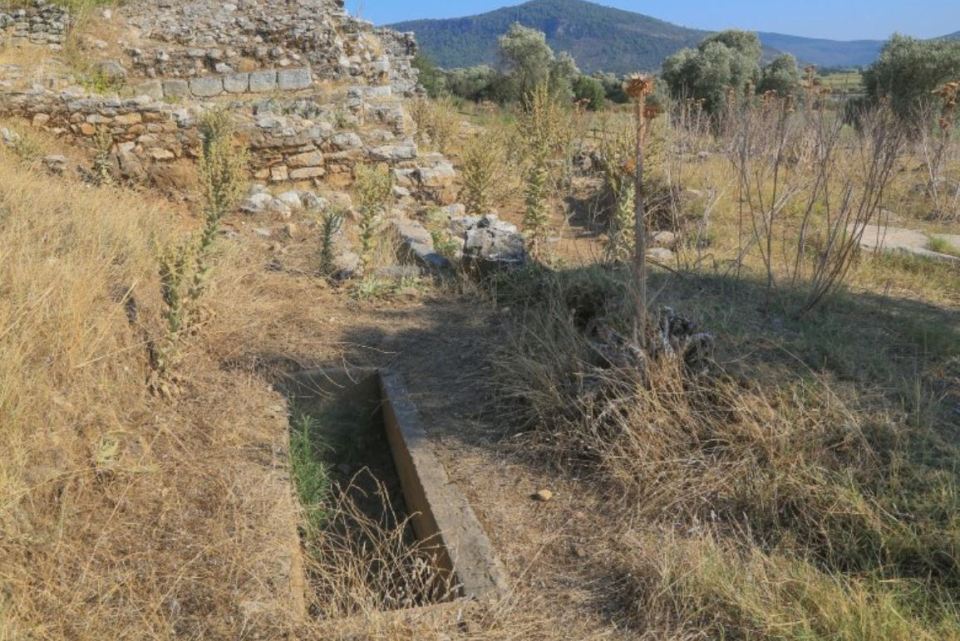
(359, 543)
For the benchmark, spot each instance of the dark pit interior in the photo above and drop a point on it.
(339, 418)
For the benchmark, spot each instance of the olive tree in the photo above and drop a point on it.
(908, 71)
(781, 76)
(724, 61)
(528, 62)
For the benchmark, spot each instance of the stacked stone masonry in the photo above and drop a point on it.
(288, 141)
(268, 61)
(40, 23)
(191, 38)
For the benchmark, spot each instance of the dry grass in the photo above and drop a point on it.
(123, 516)
(836, 488)
(805, 490)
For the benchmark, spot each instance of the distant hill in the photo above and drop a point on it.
(825, 53)
(605, 39)
(600, 38)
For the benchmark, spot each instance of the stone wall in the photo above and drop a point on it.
(40, 22)
(191, 38)
(296, 141)
(201, 87)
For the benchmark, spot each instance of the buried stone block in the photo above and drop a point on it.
(176, 88)
(206, 86)
(236, 83)
(490, 243)
(263, 81)
(293, 79)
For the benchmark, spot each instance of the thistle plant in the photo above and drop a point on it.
(101, 160)
(221, 170)
(173, 265)
(638, 87)
(373, 186)
(331, 222)
(536, 217)
(620, 233)
(483, 161)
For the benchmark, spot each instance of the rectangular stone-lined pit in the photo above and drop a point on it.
(439, 512)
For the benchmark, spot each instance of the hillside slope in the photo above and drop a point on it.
(604, 39)
(825, 53)
(600, 38)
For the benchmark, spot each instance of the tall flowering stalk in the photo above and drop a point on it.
(638, 87)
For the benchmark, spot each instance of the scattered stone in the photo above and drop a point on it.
(291, 199)
(491, 244)
(416, 244)
(264, 202)
(159, 154)
(111, 71)
(543, 496)
(347, 265)
(55, 164)
(660, 255)
(313, 202)
(666, 239)
(9, 137)
(897, 239)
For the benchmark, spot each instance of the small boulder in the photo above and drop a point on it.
(346, 265)
(491, 244)
(291, 199)
(110, 71)
(666, 239)
(660, 255)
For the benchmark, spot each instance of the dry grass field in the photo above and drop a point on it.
(796, 480)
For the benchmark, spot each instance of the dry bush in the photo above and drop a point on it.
(844, 481)
(699, 587)
(122, 516)
(373, 189)
(483, 170)
(438, 122)
(938, 147)
(808, 187)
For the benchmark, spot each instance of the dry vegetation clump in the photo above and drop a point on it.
(792, 478)
(809, 188)
(363, 561)
(122, 515)
(438, 123)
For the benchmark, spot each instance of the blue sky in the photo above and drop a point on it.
(839, 19)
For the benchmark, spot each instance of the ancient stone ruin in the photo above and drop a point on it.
(314, 91)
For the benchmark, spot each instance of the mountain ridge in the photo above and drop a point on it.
(605, 38)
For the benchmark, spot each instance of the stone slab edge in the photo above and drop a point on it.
(441, 512)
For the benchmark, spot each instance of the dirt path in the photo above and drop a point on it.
(440, 342)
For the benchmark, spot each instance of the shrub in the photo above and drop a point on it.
(727, 61)
(781, 76)
(590, 91)
(482, 170)
(908, 71)
(536, 217)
